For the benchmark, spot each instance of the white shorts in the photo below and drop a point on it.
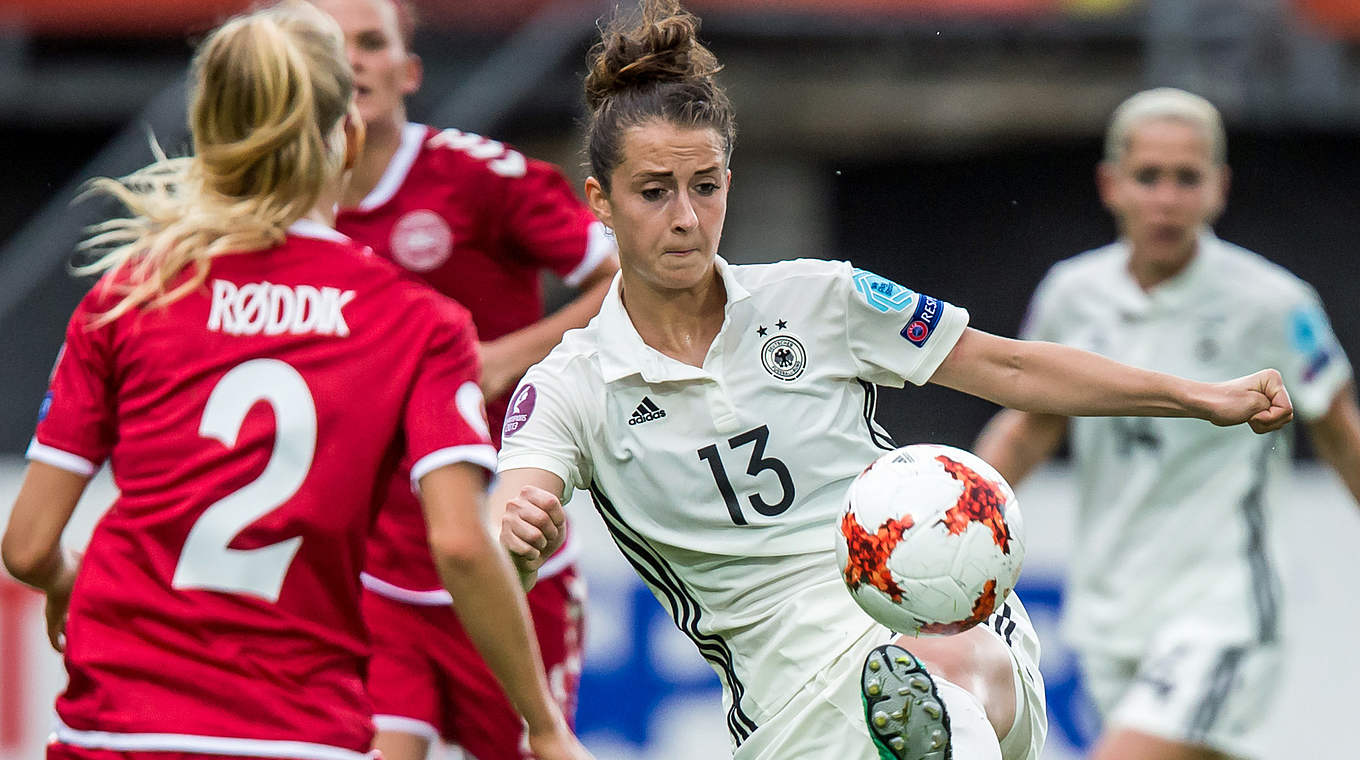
(825, 719)
(1192, 685)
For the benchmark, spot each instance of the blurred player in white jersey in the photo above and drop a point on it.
(253, 377)
(717, 413)
(1173, 596)
(480, 222)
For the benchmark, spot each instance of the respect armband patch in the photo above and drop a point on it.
(923, 321)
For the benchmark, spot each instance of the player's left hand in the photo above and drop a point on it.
(59, 601)
(1259, 399)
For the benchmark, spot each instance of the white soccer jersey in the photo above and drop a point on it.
(722, 484)
(1174, 513)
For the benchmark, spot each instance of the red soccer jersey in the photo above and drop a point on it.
(478, 221)
(252, 428)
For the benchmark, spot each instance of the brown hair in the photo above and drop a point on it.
(650, 66)
(269, 91)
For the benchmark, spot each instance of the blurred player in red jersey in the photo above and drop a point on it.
(480, 222)
(254, 377)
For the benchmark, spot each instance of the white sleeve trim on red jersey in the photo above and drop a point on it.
(432, 598)
(412, 137)
(599, 246)
(405, 725)
(203, 745)
(63, 460)
(477, 453)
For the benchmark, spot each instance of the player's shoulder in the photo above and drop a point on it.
(1238, 267)
(795, 273)
(467, 157)
(1088, 268)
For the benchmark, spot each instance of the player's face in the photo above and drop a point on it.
(385, 72)
(1163, 190)
(666, 204)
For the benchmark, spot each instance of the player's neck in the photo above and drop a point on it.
(680, 324)
(1151, 272)
(380, 144)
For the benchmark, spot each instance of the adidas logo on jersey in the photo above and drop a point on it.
(264, 308)
(646, 412)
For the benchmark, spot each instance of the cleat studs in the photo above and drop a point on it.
(933, 711)
(936, 739)
(898, 715)
(880, 719)
(920, 684)
(874, 689)
(904, 660)
(897, 743)
(904, 691)
(874, 666)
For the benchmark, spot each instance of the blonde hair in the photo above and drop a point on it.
(269, 90)
(1165, 103)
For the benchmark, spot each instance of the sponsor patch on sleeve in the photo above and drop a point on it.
(923, 321)
(881, 293)
(521, 407)
(45, 406)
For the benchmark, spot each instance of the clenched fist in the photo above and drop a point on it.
(532, 528)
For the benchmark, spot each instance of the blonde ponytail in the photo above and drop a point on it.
(270, 89)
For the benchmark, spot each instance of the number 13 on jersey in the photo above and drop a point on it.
(758, 463)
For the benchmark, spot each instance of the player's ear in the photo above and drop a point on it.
(1105, 183)
(1221, 192)
(354, 136)
(598, 200)
(414, 74)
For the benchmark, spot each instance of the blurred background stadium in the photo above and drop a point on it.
(948, 144)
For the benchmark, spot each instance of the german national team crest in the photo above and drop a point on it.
(421, 240)
(784, 357)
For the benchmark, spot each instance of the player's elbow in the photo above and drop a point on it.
(462, 550)
(25, 559)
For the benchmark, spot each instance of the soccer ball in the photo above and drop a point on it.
(930, 540)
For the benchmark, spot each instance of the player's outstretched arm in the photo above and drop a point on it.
(1048, 378)
(31, 548)
(1016, 442)
(490, 603)
(1336, 436)
(507, 358)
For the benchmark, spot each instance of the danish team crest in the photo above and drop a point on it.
(784, 357)
(421, 240)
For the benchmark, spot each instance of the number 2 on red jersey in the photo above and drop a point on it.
(206, 561)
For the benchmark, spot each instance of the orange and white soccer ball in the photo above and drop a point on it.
(930, 541)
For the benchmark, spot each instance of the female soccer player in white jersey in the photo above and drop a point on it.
(1173, 597)
(717, 413)
(253, 377)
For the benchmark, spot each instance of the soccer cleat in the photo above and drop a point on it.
(907, 720)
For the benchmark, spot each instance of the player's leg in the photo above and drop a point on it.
(977, 694)
(401, 680)
(1190, 696)
(949, 693)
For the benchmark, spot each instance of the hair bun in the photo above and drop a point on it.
(662, 46)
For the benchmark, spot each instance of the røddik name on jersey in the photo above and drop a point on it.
(263, 308)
